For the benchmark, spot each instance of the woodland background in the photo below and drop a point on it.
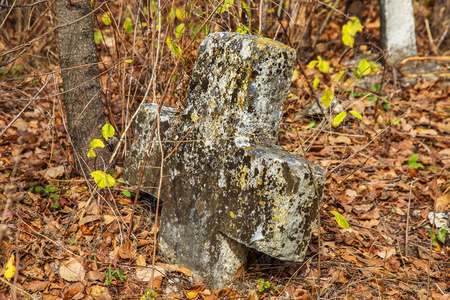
(386, 172)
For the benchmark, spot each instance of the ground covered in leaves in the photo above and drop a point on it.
(387, 174)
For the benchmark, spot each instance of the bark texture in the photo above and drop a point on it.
(80, 76)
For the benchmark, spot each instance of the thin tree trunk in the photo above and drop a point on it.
(80, 76)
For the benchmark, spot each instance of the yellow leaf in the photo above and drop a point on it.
(354, 25)
(312, 64)
(339, 76)
(340, 219)
(323, 65)
(106, 18)
(173, 47)
(316, 82)
(326, 98)
(107, 131)
(339, 118)
(347, 38)
(91, 153)
(103, 180)
(10, 269)
(364, 68)
(180, 13)
(356, 114)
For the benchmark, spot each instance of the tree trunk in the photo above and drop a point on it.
(80, 76)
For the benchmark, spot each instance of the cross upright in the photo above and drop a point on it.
(228, 187)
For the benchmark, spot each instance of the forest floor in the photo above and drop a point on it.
(385, 174)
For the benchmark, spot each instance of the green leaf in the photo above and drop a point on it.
(127, 193)
(363, 68)
(54, 205)
(128, 61)
(103, 180)
(179, 31)
(153, 6)
(441, 235)
(205, 29)
(38, 189)
(106, 18)
(356, 114)
(107, 132)
(194, 32)
(340, 219)
(376, 87)
(339, 76)
(339, 118)
(54, 196)
(173, 47)
(98, 37)
(316, 82)
(128, 26)
(412, 162)
(326, 98)
(50, 188)
(172, 15)
(312, 64)
(249, 13)
(242, 29)
(225, 6)
(296, 73)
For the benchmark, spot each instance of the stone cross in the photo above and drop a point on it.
(227, 187)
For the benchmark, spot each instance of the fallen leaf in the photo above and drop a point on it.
(443, 203)
(140, 260)
(252, 295)
(10, 268)
(53, 172)
(145, 273)
(88, 219)
(72, 291)
(98, 290)
(72, 270)
(127, 250)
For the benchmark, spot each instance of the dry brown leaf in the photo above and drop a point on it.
(108, 219)
(35, 286)
(443, 203)
(88, 219)
(95, 275)
(140, 260)
(252, 295)
(72, 270)
(53, 173)
(98, 290)
(34, 272)
(157, 282)
(74, 291)
(127, 250)
(145, 273)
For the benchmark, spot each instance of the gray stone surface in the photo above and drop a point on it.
(228, 187)
(398, 31)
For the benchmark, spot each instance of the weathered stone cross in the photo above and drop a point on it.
(230, 187)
